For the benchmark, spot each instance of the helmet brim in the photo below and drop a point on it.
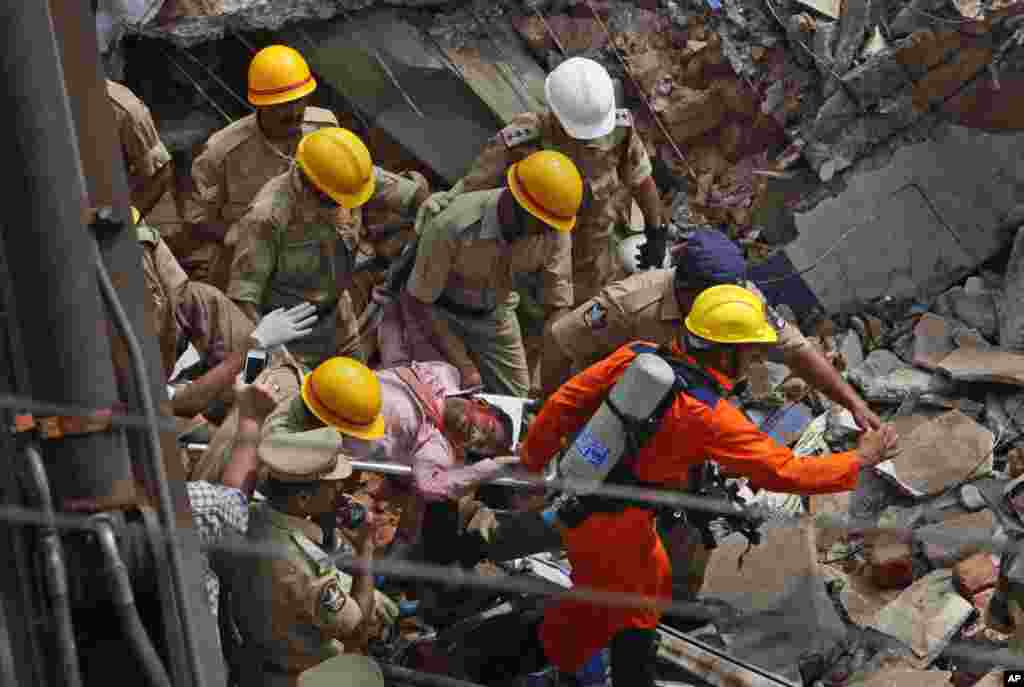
(371, 431)
(764, 335)
(523, 198)
(287, 96)
(587, 132)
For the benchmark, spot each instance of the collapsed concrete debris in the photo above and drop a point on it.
(952, 389)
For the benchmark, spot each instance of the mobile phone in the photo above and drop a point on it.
(255, 362)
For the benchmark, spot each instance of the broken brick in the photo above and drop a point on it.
(975, 574)
(925, 49)
(977, 365)
(975, 526)
(892, 563)
(943, 82)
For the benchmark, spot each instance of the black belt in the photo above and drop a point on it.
(462, 310)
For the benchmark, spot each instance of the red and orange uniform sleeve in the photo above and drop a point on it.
(692, 431)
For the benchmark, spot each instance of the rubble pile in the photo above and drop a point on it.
(805, 90)
(950, 375)
(752, 91)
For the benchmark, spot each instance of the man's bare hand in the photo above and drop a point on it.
(865, 417)
(877, 446)
(255, 401)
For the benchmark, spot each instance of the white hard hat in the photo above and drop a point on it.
(581, 94)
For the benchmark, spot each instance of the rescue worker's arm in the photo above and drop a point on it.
(426, 283)
(646, 195)
(362, 580)
(741, 448)
(212, 322)
(148, 194)
(811, 366)
(255, 402)
(255, 259)
(149, 167)
(194, 398)
(208, 177)
(556, 280)
(396, 193)
(569, 408)
(635, 169)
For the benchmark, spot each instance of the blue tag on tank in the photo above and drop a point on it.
(591, 448)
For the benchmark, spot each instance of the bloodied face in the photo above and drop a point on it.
(473, 424)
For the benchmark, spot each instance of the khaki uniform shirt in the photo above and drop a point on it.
(640, 308)
(612, 165)
(288, 252)
(238, 161)
(165, 281)
(290, 611)
(144, 153)
(185, 308)
(464, 260)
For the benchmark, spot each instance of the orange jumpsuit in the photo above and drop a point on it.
(621, 552)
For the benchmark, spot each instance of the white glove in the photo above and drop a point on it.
(283, 326)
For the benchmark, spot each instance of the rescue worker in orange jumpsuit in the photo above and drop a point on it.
(617, 548)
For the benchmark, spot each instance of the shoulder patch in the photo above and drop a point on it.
(596, 316)
(147, 234)
(332, 599)
(319, 116)
(515, 135)
(623, 117)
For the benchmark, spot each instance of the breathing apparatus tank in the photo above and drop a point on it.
(626, 418)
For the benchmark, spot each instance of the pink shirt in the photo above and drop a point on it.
(411, 438)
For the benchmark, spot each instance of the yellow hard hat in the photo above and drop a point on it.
(136, 215)
(345, 394)
(549, 187)
(339, 164)
(730, 314)
(278, 74)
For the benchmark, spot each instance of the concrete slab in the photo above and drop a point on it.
(939, 454)
(936, 208)
(973, 365)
